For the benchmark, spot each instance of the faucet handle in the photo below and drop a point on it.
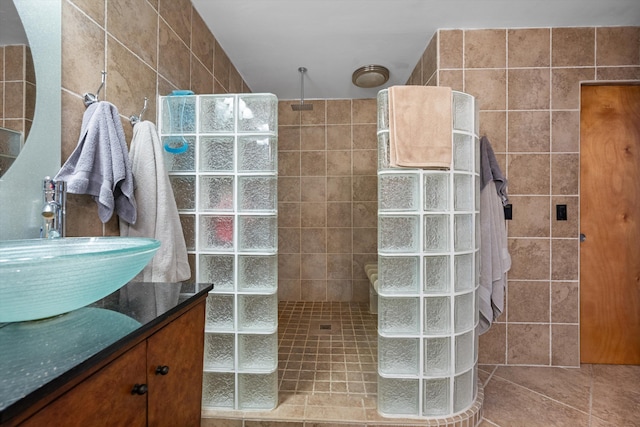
(47, 184)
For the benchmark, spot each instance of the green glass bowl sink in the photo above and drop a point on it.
(41, 278)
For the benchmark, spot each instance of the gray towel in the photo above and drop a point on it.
(495, 260)
(99, 165)
(490, 170)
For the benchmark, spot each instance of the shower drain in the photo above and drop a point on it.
(325, 327)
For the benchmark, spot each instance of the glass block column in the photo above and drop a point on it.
(221, 151)
(428, 246)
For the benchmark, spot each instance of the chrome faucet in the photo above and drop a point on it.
(54, 210)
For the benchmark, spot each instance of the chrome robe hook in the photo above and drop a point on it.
(90, 98)
(136, 119)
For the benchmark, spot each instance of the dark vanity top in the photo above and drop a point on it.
(38, 357)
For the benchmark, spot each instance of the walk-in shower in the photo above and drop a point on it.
(426, 344)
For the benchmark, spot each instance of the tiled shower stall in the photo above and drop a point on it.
(428, 247)
(221, 152)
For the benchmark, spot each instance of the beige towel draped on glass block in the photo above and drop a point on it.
(420, 126)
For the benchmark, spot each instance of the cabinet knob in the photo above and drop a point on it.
(162, 370)
(139, 389)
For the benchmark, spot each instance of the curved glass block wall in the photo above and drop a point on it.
(428, 247)
(221, 151)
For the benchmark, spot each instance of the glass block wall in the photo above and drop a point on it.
(221, 151)
(428, 247)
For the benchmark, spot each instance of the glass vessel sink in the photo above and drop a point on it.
(41, 278)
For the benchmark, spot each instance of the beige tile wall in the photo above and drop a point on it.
(327, 191)
(527, 83)
(17, 88)
(148, 48)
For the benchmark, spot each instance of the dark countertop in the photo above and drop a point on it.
(38, 357)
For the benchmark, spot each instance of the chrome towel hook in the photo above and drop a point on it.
(136, 119)
(90, 98)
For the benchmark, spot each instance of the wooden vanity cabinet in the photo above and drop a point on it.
(165, 367)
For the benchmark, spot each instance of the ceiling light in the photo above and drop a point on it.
(370, 76)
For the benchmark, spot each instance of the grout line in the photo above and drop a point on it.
(493, 371)
(542, 394)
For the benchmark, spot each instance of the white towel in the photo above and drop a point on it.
(157, 211)
(99, 165)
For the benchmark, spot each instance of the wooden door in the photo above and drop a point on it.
(174, 371)
(610, 223)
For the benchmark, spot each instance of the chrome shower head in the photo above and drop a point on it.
(302, 106)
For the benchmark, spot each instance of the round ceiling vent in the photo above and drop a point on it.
(370, 76)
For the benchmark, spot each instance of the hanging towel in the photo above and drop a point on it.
(157, 210)
(420, 126)
(495, 260)
(99, 165)
(490, 170)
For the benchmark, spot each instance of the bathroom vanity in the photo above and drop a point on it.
(134, 358)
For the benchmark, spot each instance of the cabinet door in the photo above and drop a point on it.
(174, 371)
(103, 399)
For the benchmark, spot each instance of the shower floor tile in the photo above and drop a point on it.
(327, 348)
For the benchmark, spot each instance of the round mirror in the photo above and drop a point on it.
(21, 184)
(17, 81)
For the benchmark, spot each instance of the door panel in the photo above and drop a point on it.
(610, 222)
(174, 371)
(103, 399)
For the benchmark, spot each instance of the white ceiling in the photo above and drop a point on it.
(267, 40)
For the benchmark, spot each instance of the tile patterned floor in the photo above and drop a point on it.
(591, 396)
(327, 372)
(327, 348)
